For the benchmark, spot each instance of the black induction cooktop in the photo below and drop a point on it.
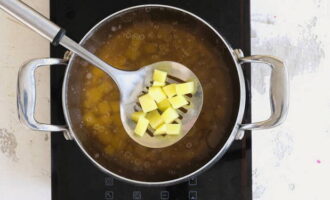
(75, 177)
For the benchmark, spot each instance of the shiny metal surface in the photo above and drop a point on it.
(31, 18)
(26, 96)
(130, 83)
(236, 130)
(279, 91)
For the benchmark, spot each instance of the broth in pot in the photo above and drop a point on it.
(136, 42)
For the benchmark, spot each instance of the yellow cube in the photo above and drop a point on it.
(170, 90)
(173, 129)
(155, 119)
(169, 115)
(160, 130)
(89, 119)
(136, 116)
(147, 103)
(178, 101)
(104, 107)
(156, 83)
(159, 76)
(163, 105)
(141, 126)
(157, 94)
(185, 88)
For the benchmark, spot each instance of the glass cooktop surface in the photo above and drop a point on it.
(75, 177)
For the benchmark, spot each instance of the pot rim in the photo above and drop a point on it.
(215, 158)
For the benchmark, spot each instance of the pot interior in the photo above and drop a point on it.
(135, 38)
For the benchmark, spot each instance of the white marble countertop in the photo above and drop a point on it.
(289, 162)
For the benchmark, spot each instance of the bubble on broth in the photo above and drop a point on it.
(137, 162)
(96, 155)
(89, 75)
(128, 35)
(171, 172)
(188, 145)
(146, 164)
(127, 154)
(84, 63)
(113, 28)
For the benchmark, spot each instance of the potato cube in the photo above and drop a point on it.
(104, 107)
(185, 88)
(160, 130)
(170, 90)
(89, 119)
(159, 76)
(178, 101)
(147, 103)
(169, 115)
(157, 94)
(136, 116)
(155, 119)
(173, 129)
(141, 126)
(163, 105)
(156, 83)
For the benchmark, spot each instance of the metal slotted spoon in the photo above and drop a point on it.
(131, 84)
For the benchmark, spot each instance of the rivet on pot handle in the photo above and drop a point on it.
(279, 91)
(26, 96)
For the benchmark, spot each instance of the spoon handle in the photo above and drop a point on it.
(53, 33)
(32, 19)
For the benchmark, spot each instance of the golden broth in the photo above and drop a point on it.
(135, 46)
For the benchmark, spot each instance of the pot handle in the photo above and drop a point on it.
(26, 96)
(279, 91)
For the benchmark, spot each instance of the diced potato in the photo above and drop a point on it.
(104, 107)
(103, 137)
(105, 119)
(169, 115)
(97, 72)
(136, 116)
(185, 88)
(163, 105)
(160, 130)
(99, 128)
(89, 118)
(157, 94)
(154, 118)
(147, 103)
(159, 76)
(178, 101)
(173, 129)
(170, 90)
(105, 87)
(156, 83)
(94, 95)
(141, 126)
(109, 150)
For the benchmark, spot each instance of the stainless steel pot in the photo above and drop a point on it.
(26, 95)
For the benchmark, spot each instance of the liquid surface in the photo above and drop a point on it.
(135, 46)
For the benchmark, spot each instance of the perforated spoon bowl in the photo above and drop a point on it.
(130, 83)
